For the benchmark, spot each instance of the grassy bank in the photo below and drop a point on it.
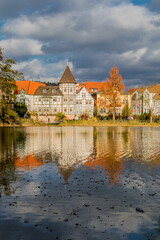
(94, 122)
(91, 122)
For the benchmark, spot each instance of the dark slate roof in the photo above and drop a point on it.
(67, 77)
(49, 91)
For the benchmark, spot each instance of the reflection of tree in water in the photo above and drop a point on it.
(9, 139)
(107, 153)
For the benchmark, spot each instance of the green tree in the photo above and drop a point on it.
(126, 112)
(20, 109)
(8, 77)
(60, 116)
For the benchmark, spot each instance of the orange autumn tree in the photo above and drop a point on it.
(110, 96)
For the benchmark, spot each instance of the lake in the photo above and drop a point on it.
(79, 183)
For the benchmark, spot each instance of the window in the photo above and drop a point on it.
(22, 100)
(39, 99)
(65, 109)
(55, 109)
(65, 99)
(90, 102)
(46, 99)
(44, 90)
(65, 89)
(87, 102)
(71, 99)
(70, 89)
(93, 89)
(83, 95)
(70, 109)
(54, 99)
(54, 90)
(102, 110)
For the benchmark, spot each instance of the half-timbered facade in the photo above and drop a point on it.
(49, 100)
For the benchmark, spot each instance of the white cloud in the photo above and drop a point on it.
(38, 71)
(100, 23)
(21, 47)
(94, 34)
(135, 56)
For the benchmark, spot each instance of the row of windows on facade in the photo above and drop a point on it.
(47, 99)
(56, 110)
(71, 90)
(104, 110)
(65, 100)
(51, 110)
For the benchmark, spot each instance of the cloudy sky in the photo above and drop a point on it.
(94, 35)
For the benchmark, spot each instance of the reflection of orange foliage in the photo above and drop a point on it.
(110, 165)
(28, 162)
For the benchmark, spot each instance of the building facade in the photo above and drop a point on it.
(64, 98)
(25, 93)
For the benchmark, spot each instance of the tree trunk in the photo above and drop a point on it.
(113, 116)
(151, 118)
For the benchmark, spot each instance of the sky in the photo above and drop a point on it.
(93, 35)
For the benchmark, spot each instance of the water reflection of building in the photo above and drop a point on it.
(145, 143)
(70, 147)
(67, 147)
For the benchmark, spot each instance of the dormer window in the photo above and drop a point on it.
(54, 90)
(93, 89)
(44, 90)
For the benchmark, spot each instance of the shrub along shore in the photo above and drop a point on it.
(90, 122)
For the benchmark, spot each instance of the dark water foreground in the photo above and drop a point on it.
(80, 183)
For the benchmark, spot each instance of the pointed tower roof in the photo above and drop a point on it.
(67, 77)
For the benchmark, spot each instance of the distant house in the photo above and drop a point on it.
(137, 101)
(94, 87)
(65, 98)
(146, 98)
(84, 102)
(25, 92)
(124, 98)
(48, 101)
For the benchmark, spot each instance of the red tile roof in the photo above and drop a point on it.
(96, 85)
(29, 86)
(79, 86)
(132, 90)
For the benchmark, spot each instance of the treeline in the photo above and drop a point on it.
(8, 77)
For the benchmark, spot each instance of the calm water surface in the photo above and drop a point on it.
(80, 183)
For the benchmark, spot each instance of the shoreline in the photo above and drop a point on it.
(86, 123)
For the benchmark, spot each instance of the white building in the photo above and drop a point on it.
(49, 100)
(25, 92)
